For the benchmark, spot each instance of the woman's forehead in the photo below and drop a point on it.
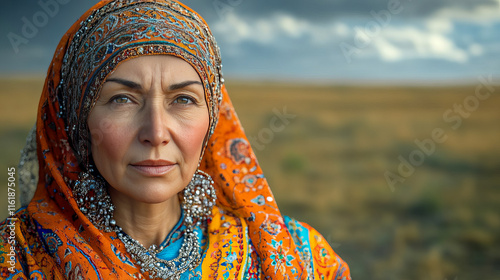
(155, 64)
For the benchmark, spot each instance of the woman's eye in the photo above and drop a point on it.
(120, 99)
(184, 100)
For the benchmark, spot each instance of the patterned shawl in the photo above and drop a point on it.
(54, 238)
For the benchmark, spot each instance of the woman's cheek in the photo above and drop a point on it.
(109, 141)
(192, 139)
(100, 124)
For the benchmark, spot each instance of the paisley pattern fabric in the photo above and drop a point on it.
(227, 252)
(246, 238)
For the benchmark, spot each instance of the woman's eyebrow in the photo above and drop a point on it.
(136, 86)
(183, 85)
(127, 83)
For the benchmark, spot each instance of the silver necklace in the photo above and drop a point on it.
(188, 258)
(197, 202)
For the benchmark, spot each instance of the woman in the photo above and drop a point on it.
(133, 123)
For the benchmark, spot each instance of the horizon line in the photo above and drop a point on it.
(319, 81)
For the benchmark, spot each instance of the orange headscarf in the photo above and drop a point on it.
(55, 235)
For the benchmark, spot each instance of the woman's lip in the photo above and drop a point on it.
(153, 170)
(153, 162)
(153, 167)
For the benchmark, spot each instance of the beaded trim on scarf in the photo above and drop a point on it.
(122, 30)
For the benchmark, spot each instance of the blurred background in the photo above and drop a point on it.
(389, 143)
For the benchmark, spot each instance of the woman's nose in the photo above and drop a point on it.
(154, 125)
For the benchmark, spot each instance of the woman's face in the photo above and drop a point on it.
(148, 127)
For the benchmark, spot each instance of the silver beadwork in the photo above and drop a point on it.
(188, 259)
(198, 200)
(93, 200)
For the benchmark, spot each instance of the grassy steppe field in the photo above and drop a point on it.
(327, 165)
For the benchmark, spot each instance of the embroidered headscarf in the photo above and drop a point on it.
(122, 30)
(112, 32)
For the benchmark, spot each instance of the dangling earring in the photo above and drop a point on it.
(94, 201)
(198, 198)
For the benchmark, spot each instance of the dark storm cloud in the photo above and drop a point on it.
(323, 10)
(45, 24)
(251, 58)
(13, 11)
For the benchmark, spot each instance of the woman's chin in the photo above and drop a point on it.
(149, 195)
(153, 197)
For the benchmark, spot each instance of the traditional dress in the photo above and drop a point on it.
(246, 236)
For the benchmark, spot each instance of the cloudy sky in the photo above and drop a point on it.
(445, 41)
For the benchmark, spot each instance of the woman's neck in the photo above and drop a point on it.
(147, 223)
